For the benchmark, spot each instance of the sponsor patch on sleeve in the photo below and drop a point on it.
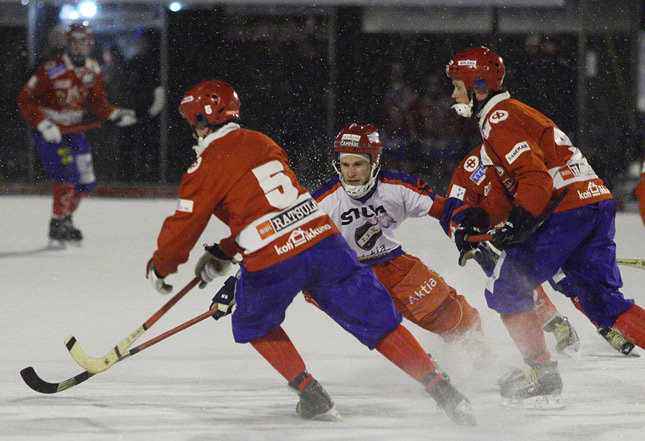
(457, 192)
(519, 148)
(478, 176)
(185, 205)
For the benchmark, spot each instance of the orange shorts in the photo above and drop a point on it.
(424, 298)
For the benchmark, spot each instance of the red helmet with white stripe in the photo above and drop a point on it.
(210, 102)
(358, 140)
(479, 68)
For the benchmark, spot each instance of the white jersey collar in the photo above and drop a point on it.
(219, 133)
(484, 156)
(490, 104)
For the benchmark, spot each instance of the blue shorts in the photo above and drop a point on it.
(580, 242)
(347, 290)
(69, 161)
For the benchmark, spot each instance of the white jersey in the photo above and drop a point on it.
(368, 223)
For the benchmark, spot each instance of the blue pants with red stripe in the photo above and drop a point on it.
(347, 290)
(581, 242)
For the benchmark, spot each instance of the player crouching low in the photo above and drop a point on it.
(288, 244)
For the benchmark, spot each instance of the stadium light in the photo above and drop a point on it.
(87, 9)
(68, 12)
(175, 6)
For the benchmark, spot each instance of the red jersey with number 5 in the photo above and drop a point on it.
(243, 178)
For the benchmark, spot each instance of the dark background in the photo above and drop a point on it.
(304, 73)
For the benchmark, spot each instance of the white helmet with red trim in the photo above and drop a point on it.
(363, 141)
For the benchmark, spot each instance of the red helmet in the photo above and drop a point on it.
(79, 31)
(357, 139)
(479, 68)
(210, 102)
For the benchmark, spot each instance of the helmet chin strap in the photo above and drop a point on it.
(358, 191)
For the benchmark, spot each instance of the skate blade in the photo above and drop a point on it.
(331, 415)
(540, 402)
(55, 244)
(569, 351)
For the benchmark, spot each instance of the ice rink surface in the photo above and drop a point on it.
(200, 385)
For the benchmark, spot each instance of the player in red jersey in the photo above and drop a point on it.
(472, 182)
(640, 193)
(288, 244)
(53, 102)
(535, 161)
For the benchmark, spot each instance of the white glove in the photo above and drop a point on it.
(50, 131)
(213, 263)
(158, 283)
(123, 117)
(159, 101)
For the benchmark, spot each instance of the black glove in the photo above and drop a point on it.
(486, 258)
(474, 222)
(224, 300)
(516, 230)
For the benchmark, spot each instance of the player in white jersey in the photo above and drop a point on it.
(367, 204)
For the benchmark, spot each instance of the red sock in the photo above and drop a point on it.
(631, 325)
(402, 349)
(63, 195)
(526, 332)
(278, 350)
(544, 309)
(75, 200)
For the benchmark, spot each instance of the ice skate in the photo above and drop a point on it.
(73, 233)
(568, 342)
(452, 402)
(315, 403)
(537, 388)
(617, 341)
(58, 235)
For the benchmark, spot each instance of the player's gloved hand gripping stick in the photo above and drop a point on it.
(526, 233)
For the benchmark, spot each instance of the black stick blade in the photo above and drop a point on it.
(32, 379)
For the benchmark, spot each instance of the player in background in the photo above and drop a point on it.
(535, 161)
(472, 182)
(53, 102)
(640, 193)
(288, 244)
(368, 203)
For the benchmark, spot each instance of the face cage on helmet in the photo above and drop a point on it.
(357, 191)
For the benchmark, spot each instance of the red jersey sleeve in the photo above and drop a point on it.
(28, 98)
